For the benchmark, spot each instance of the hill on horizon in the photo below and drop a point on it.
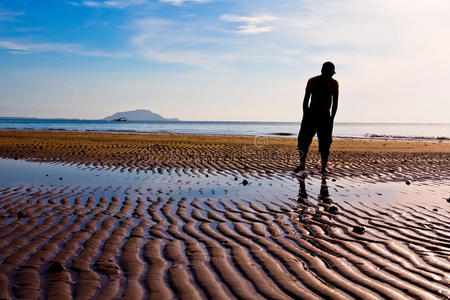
(139, 115)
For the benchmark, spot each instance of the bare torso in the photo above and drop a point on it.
(322, 91)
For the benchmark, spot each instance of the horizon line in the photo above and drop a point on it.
(219, 121)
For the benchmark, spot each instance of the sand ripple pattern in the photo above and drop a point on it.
(183, 154)
(62, 243)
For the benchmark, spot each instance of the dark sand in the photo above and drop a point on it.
(184, 225)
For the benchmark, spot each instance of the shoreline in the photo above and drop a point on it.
(268, 135)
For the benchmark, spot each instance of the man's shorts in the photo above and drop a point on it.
(313, 123)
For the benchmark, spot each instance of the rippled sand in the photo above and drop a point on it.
(197, 217)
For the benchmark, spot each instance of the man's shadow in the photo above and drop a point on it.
(324, 195)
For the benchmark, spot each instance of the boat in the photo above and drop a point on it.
(121, 119)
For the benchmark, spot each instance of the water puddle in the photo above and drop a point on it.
(107, 183)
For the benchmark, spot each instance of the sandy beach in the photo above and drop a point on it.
(163, 216)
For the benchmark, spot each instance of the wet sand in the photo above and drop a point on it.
(259, 157)
(206, 217)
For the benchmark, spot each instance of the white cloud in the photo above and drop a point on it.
(168, 41)
(6, 15)
(26, 48)
(254, 25)
(119, 4)
(181, 2)
(14, 46)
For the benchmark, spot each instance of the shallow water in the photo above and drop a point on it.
(15, 173)
(341, 129)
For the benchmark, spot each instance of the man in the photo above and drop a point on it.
(323, 91)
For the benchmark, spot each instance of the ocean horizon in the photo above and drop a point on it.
(361, 130)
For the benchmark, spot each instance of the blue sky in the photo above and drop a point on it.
(223, 60)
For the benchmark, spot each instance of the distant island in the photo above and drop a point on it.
(138, 115)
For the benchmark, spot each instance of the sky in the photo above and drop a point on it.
(219, 60)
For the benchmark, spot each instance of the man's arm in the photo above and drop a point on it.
(306, 98)
(335, 102)
(306, 102)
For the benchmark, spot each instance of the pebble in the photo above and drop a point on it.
(358, 229)
(244, 182)
(435, 209)
(448, 200)
(334, 180)
(60, 178)
(55, 267)
(332, 209)
(408, 182)
(20, 214)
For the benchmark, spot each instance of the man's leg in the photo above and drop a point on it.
(324, 157)
(324, 134)
(305, 136)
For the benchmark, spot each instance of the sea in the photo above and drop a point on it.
(394, 131)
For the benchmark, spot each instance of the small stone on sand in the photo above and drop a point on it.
(244, 182)
(332, 209)
(435, 209)
(55, 266)
(358, 229)
(408, 182)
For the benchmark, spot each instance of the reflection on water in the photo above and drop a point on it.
(300, 188)
(323, 196)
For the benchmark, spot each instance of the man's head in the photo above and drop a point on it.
(328, 69)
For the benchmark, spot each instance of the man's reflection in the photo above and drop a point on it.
(302, 194)
(324, 195)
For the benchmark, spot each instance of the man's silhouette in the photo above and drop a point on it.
(323, 91)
